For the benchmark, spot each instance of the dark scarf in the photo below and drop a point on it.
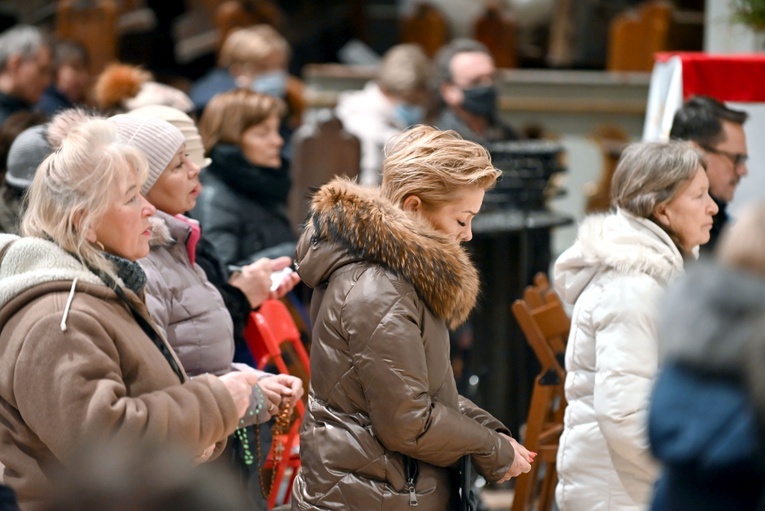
(130, 272)
(719, 221)
(267, 186)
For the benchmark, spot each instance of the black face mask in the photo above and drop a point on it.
(480, 100)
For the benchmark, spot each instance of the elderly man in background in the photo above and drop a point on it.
(25, 69)
(718, 131)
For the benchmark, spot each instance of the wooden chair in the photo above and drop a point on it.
(232, 14)
(612, 140)
(425, 26)
(634, 36)
(545, 325)
(496, 29)
(269, 328)
(93, 26)
(321, 151)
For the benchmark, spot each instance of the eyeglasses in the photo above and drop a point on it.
(737, 159)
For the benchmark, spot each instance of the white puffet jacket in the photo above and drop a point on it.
(612, 275)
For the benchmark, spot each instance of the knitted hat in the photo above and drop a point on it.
(26, 153)
(183, 122)
(157, 139)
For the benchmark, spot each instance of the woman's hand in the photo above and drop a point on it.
(521, 462)
(288, 282)
(288, 388)
(239, 385)
(255, 280)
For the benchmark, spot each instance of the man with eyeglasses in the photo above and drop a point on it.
(718, 131)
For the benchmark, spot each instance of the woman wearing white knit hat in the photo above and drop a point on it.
(186, 307)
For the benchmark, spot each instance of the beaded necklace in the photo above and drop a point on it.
(281, 427)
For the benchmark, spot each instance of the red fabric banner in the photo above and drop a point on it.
(739, 77)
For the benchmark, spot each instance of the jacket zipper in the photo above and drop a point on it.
(411, 468)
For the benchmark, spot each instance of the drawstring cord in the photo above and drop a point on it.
(68, 305)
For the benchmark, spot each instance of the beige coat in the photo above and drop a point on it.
(72, 372)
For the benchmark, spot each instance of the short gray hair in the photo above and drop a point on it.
(446, 54)
(24, 40)
(405, 68)
(650, 174)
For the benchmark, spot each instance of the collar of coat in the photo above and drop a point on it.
(369, 227)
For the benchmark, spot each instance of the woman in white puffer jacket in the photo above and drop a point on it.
(612, 276)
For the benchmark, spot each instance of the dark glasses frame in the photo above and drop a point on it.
(737, 159)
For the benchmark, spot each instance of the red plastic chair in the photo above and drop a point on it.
(268, 329)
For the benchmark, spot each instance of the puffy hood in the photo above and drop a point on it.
(29, 262)
(618, 241)
(710, 315)
(350, 223)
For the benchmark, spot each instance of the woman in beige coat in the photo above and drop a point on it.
(79, 356)
(385, 426)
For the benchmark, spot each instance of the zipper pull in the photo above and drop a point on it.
(412, 494)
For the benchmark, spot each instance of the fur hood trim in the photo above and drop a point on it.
(369, 227)
(165, 230)
(30, 262)
(620, 242)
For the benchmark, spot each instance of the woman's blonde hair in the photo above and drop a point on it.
(742, 244)
(434, 165)
(227, 116)
(650, 174)
(75, 186)
(248, 46)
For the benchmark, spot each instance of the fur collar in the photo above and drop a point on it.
(620, 242)
(368, 227)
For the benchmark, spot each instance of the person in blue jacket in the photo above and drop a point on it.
(707, 411)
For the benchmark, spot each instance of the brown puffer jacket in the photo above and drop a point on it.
(382, 387)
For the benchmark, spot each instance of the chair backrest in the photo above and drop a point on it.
(612, 140)
(634, 36)
(95, 27)
(496, 29)
(425, 26)
(321, 151)
(269, 328)
(545, 324)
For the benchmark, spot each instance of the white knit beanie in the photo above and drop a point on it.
(157, 139)
(194, 147)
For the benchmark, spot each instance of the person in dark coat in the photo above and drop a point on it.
(25, 68)
(243, 203)
(708, 406)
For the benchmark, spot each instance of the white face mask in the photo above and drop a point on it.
(273, 83)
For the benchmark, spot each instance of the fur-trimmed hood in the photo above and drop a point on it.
(351, 223)
(618, 241)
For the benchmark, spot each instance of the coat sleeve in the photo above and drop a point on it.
(393, 372)
(481, 416)
(70, 389)
(159, 298)
(220, 221)
(626, 362)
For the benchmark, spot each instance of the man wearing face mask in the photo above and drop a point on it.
(386, 106)
(466, 74)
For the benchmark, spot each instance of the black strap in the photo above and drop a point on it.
(145, 326)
